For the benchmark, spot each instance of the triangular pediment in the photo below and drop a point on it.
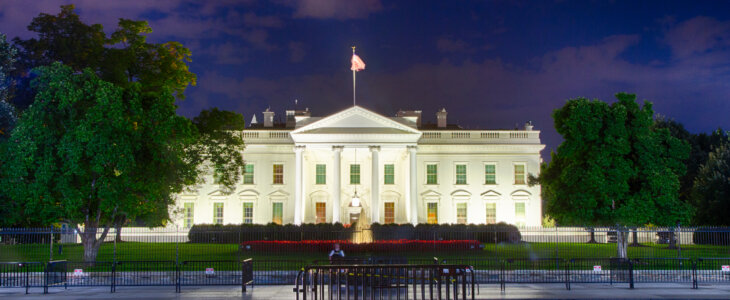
(356, 120)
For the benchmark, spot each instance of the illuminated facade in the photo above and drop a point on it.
(360, 165)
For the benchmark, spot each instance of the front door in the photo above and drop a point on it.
(354, 217)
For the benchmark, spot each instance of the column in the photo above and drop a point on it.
(298, 185)
(375, 185)
(336, 208)
(413, 175)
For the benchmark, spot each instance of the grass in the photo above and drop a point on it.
(134, 251)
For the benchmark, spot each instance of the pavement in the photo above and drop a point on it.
(513, 291)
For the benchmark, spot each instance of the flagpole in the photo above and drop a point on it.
(353, 81)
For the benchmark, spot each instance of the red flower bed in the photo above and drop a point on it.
(348, 247)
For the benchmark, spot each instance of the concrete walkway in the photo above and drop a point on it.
(516, 291)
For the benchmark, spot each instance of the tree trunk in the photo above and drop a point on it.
(622, 242)
(91, 243)
(593, 236)
(672, 239)
(118, 223)
(635, 236)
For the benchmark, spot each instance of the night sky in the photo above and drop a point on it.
(491, 64)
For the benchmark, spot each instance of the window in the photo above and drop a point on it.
(490, 174)
(461, 213)
(519, 174)
(389, 212)
(389, 174)
(491, 213)
(460, 174)
(433, 213)
(218, 213)
(321, 174)
(354, 174)
(188, 222)
(520, 214)
(321, 212)
(277, 214)
(248, 213)
(278, 174)
(248, 174)
(431, 174)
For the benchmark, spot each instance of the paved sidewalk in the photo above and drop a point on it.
(515, 291)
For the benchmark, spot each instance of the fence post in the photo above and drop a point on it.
(631, 274)
(501, 277)
(567, 275)
(694, 274)
(51, 248)
(114, 276)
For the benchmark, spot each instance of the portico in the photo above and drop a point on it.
(359, 138)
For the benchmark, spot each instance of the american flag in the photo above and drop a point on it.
(357, 63)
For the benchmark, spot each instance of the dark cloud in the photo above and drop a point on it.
(333, 9)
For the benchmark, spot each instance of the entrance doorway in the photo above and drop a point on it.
(354, 217)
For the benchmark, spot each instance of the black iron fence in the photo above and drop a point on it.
(415, 275)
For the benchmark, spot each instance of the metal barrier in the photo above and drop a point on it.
(276, 272)
(22, 275)
(662, 270)
(387, 280)
(711, 270)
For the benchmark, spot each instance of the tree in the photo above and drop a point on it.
(712, 188)
(74, 153)
(8, 114)
(166, 156)
(613, 168)
(8, 117)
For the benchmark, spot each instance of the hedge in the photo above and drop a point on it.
(711, 236)
(236, 234)
(348, 247)
(484, 233)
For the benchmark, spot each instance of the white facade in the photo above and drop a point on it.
(395, 156)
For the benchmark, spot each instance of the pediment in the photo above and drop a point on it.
(430, 193)
(491, 195)
(460, 193)
(279, 193)
(356, 120)
(521, 195)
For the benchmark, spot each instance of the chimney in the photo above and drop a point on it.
(268, 118)
(290, 121)
(441, 118)
(528, 126)
(411, 115)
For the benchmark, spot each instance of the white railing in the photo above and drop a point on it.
(482, 136)
(276, 136)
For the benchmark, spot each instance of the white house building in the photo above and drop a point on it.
(360, 165)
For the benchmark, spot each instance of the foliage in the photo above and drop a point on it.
(8, 115)
(485, 233)
(614, 167)
(386, 246)
(701, 145)
(122, 58)
(711, 190)
(73, 151)
(206, 233)
(162, 152)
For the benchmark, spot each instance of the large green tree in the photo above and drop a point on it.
(8, 115)
(168, 152)
(613, 167)
(711, 191)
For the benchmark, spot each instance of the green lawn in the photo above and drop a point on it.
(133, 251)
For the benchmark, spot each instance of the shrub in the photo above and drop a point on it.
(390, 246)
(236, 234)
(484, 233)
(711, 236)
